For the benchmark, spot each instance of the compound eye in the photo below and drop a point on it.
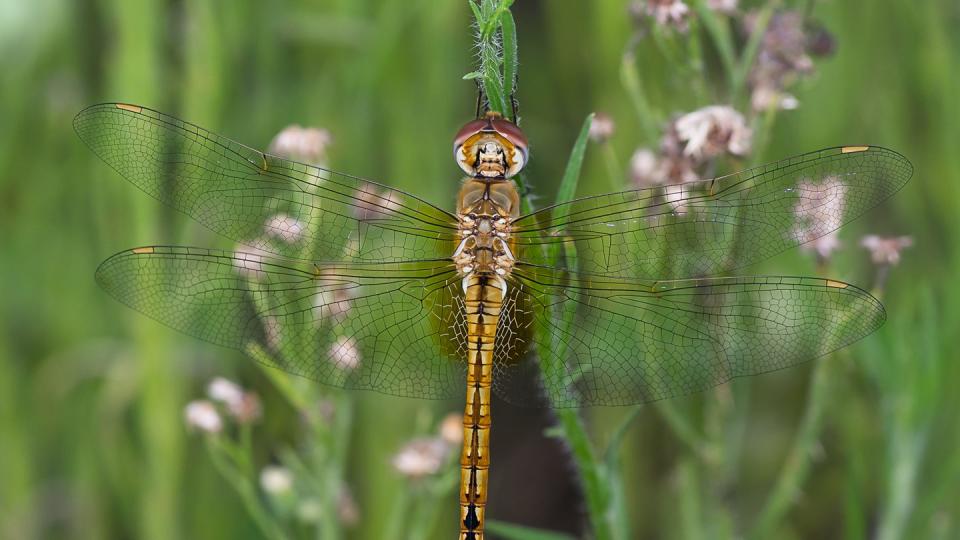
(514, 135)
(467, 131)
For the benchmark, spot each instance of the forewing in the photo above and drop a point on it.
(254, 197)
(396, 328)
(711, 227)
(608, 341)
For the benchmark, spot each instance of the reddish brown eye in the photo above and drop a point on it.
(467, 131)
(509, 131)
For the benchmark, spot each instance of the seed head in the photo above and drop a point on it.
(602, 128)
(308, 145)
(824, 246)
(248, 260)
(224, 390)
(347, 509)
(421, 457)
(451, 429)
(203, 416)
(819, 208)
(284, 228)
(713, 130)
(276, 480)
(645, 168)
(885, 250)
(344, 354)
(727, 7)
(669, 13)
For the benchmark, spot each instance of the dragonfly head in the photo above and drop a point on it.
(490, 147)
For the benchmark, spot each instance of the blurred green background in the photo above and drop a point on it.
(92, 438)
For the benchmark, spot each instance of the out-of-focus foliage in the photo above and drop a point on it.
(93, 437)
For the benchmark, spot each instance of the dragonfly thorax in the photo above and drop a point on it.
(485, 209)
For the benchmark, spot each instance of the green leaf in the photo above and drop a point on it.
(509, 33)
(517, 532)
(476, 12)
(571, 177)
(472, 75)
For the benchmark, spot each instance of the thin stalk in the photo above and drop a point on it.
(614, 172)
(592, 473)
(242, 484)
(750, 51)
(630, 79)
(720, 35)
(907, 449)
(797, 466)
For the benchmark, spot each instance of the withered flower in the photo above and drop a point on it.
(203, 416)
(602, 128)
(305, 144)
(885, 250)
(712, 131)
(421, 457)
(667, 13)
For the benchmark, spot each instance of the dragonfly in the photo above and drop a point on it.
(616, 299)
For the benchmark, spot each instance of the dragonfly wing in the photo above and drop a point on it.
(608, 341)
(713, 226)
(396, 328)
(254, 197)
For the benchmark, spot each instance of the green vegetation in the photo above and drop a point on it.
(93, 443)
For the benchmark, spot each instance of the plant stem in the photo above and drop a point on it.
(243, 485)
(592, 473)
(797, 465)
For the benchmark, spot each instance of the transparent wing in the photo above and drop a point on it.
(713, 226)
(249, 196)
(608, 341)
(396, 328)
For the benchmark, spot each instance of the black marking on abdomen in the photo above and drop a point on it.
(471, 522)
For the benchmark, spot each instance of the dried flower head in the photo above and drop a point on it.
(421, 457)
(344, 353)
(669, 13)
(727, 7)
(276, 480)
(885, 250)
(373, 203)
(333, 303)
(272, 331)
(824, 246)
(284, 228)
(203, 416)
(674, 165)
(602, 128)
(819, 208)
(302, 144)
(243, 406)
(645, 168)
(767, 97)
(347, 509)
(451, 429)
(713, 130)
(247, 409)
(224, 390)
(784, 56)
(673, 194)
(248, 260)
